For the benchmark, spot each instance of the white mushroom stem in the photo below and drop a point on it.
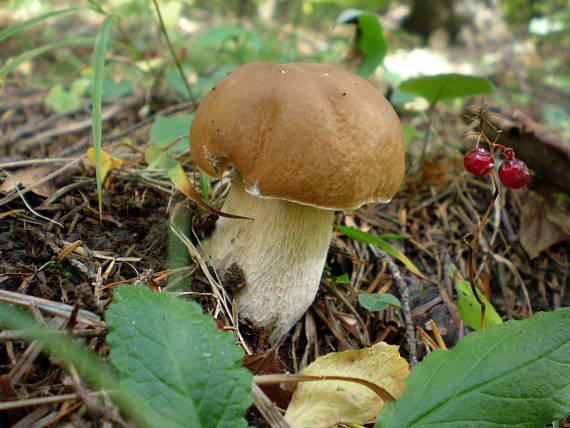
(281, 252)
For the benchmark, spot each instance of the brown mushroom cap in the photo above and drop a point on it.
(309, 133)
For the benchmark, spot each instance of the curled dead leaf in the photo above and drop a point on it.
(29, 176)
(543, 223)
(323, 404)
(108, 162)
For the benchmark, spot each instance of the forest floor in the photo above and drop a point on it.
(57, 255)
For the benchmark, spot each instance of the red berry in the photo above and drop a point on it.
(478, 162)
(513, 173)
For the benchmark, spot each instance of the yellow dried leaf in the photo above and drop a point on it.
(108, 162)
(325, 403)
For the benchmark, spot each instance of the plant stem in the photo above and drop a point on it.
(173, 54)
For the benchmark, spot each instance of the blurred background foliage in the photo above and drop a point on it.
(519, 44)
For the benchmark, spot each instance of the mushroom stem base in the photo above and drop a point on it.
(282, 253)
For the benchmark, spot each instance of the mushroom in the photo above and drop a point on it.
(306, 139)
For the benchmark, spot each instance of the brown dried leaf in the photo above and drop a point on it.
(325, 403)
(542, 224)
(269, 362)
(28, 176)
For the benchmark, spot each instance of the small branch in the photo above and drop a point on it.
(405, 300)
(267, 408)
(40, 401)
(287, 378)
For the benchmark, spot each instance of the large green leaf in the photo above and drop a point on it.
(446, 86)
(173, 356)
(516, 374)
(369, 41)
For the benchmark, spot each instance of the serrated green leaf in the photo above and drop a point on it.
(469, 309)
(13, 29)
(378, 302)
(61, 100)
(175, 358)
(446, 86)
(367, 238)
(516, 374)
(15, 62)
(165, 129)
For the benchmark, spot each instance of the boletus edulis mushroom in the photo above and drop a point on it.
(306, 139)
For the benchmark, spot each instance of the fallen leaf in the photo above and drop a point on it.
(108, 162)
(269, 362)
(28, 176)
(322, 404)
(156, 157)
(543, 223)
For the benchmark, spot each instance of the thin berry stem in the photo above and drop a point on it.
(474, 241)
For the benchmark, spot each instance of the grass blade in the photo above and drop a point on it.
(367, 238)
(98, 63)
(13, 29)
(27, 56)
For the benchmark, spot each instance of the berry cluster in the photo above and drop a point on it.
(513, 172)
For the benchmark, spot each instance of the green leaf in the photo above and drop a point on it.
(218, 36)
(513, 375)
(15, 62)
(378, 302)
(469, 309)
(341, 279)
(177, 360)
(13, 29)
(205, 186)
(166, 129)
(158, 158)
(372, 43)
(98, 64)
(369, 40)
(446, 86)
(112, 89)
(95, 6)
(61, 100)
(367, 238)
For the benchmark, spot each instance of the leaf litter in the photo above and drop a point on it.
(66, 269)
